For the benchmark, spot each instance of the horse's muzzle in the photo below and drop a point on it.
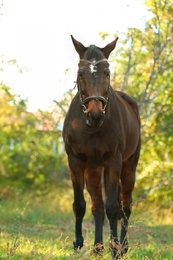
(95, 120)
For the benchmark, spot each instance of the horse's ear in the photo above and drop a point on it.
(109, 48)
(80, 48)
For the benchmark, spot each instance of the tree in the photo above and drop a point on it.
(143, 66)
(28, 143)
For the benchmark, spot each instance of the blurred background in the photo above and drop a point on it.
(38, 66)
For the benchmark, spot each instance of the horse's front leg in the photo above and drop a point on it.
(79, 204)
(113, 172)
(93, 184)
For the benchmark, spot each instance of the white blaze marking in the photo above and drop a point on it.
(93, 68)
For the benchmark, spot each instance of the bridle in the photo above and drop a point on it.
(101, 98)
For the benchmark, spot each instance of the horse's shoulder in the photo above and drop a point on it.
(126, 97)
(129, 100)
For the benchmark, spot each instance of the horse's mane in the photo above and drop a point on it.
(93, 52)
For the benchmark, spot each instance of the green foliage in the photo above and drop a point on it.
(143, 66)
(62, 106)
(28, 143)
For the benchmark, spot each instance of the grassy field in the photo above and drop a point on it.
(34, 226)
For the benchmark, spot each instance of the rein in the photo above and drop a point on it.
(101, 98)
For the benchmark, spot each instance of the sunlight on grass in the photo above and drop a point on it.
(42, 227)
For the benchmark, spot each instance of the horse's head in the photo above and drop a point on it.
(93, 80)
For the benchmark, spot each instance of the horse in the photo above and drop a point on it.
(101, 136)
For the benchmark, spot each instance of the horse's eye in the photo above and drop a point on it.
(80, 73)
(107, 72)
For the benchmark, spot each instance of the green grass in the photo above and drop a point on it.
(42, 227)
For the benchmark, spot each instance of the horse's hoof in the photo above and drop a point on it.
(98, 249)
(78, 243)
(115, 255)
(115, 251)
(119, 250)
(124, 247)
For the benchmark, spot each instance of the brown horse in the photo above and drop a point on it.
(101, 135)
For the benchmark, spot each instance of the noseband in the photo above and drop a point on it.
(84, 101)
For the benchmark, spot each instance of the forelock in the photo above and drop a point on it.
(93, 53)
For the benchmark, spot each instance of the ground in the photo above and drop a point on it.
(41, 227)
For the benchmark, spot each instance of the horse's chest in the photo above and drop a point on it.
(94, 148)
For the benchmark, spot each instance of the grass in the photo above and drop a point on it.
(42, 227)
